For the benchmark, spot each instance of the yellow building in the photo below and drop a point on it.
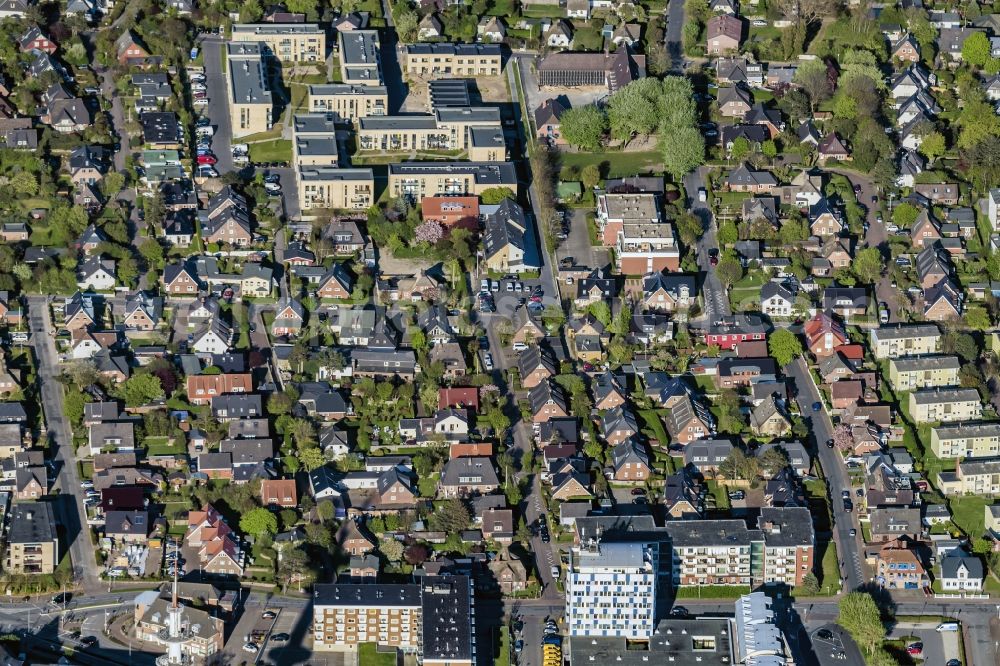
(453, 60)
(314, 140)
(360, 63)
(330, 187)
(417, 180)
(917, 372)
(250, 103)
(32, 543)
(905, 340)
(349, 102)
(945, 405)
(288, 42)
(973, 440)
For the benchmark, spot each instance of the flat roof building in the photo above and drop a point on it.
(445, 59)
(330, 187)
(250, 102)
(420, 179)
(360, 62)
(349, 102)
(611, 590)
(288, 42)
(32, 542)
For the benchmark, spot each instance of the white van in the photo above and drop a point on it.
(947, 626)
(520, 347)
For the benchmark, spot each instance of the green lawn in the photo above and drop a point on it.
(159, 446)
(428, 485)
(503, 659)
(588, 39)
(969, 514)
(614, 165)
(654, 424)
(720, 493)
(369, 656)
(732, 592)
(277, 150)
(705, 384)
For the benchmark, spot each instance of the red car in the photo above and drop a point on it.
(915, 649)
(207, 159)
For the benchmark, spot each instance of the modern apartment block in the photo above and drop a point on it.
(727, 552)
(32, 542)
(288, 42)
(644, 248)
(434, 619)
(972, 440)
(908, 373)
(314, 140)
(348, 102)
(975, 476)
(448, 128)
(611, 590)
(330, 187)
(905, 340)
(945, 405)
(453, 60)
(421, 179)
(360, 62)
(250, 102)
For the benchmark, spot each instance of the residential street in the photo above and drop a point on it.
(673, 36)
(69, 503)
(716, 301)
(848, 548)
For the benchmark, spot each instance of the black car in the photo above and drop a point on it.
(87, 641)
(272, 178)
(62, 598)
(279, 638)
(678, 611)
(848, 506)
(829, 443)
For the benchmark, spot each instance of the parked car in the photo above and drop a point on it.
(207, 159)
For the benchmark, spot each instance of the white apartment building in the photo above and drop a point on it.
(611, 590)
(905, 340)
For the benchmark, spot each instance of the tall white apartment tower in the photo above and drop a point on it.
(611, 590)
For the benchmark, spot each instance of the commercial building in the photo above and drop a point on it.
(330, 187)
(32, 542)
(288, 42)
(612, 70)
(419, 179)
(972, 440)
(202, 633)
(920, 372)
(448, 128)
(453, 60)
(945, 405)
(314, 140)
(611, 590)
(348, 102)
(756, 636)
(250, 102)
(434, 619)
(360, 62)
(905, 340)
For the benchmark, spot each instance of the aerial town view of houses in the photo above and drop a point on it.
(500, 332)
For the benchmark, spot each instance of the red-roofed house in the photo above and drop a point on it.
(470, 450)
(845, 393)
(218, 550)
(852, 352)
(278, 492)
(824, 334)
(452, 212)
(459, 397)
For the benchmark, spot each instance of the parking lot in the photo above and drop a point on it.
(216, 110)
(938, 647)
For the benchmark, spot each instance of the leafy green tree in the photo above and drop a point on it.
(311, 458)
(769, 149)
(784, 346)
(140, 389)
(392, 549)
(689, 228)
(683, 150)
(590, 176)
(729, 270)
(811, 584)
(932, 146)
(584, 127)
(259, 521)
(904, 215)
(741, 148)
(860, 617)
(976, 49)
(867, 265)
(635, 110)
(738, 465)
(24, 183)
(494, 195)
(452, 516)
(601, 312)
(728, 234)
(152, 252)
(112, 184)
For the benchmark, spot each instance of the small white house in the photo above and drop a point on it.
(776, 300)
(961, 573)
(96, 274)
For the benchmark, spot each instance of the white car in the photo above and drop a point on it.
(201, 102)
(250, 647)
(207, 171)
(760, 23)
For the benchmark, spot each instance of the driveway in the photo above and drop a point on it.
(577, 243)
(716, 301)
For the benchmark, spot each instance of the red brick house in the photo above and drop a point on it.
(279, 492)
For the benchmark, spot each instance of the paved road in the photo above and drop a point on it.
(848, 548)
(716, 300)
(673, 36)
(215, 82)
(69, 507)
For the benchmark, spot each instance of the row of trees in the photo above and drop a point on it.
(643, 108)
